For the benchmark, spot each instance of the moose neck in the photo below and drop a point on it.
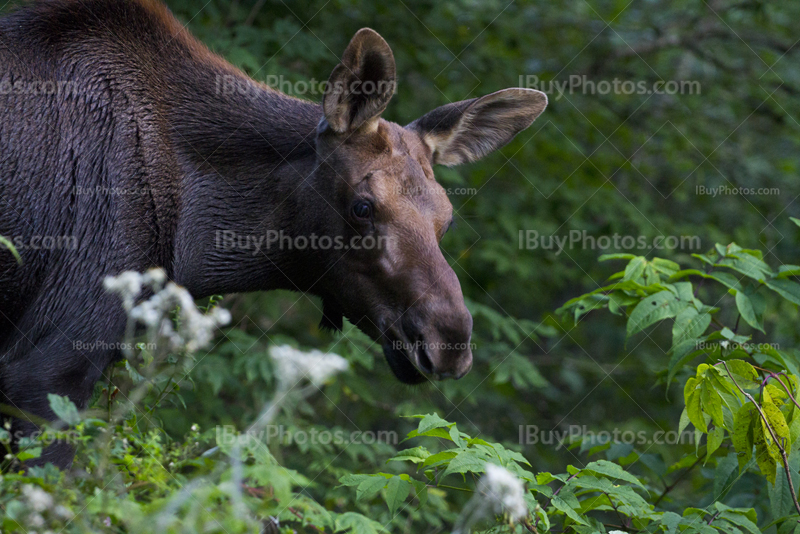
(247, 157)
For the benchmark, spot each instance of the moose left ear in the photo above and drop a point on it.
(361, 86)
(468, 130)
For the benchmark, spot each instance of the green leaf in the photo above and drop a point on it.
(654, 308)
(357, 524)
(778, 424)
(752, 309)
(634, 269)
(748, 265)
(611, 470)
(439, 457)
(413, 455)
(64, 409)
(396, 493)
(670, 520)
(780, 496)
(370, 487)
(764, 457)
(689, 324)
(714, 440)
(743, 437)
(431, 421)
(466, 462)
(786, 288)
(785, 271)
(722, 475)
(712, 402)
(607, 257)
(561, 505)
(691, 396)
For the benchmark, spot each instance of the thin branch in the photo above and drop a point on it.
(774, 438)
(675, 483)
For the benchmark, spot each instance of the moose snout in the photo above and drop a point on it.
(441, 346)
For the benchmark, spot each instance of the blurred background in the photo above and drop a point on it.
(667, 119)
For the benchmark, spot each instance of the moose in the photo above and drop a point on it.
(121, 148)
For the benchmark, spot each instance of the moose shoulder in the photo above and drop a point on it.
(125, 144)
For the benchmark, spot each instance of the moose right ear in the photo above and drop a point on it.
(360, 87)
(466, 131)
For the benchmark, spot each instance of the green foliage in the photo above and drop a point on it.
(746, 410)
(595, 163)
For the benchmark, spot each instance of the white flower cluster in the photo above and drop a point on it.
(195, 329)
(294, 365)
(39, 503)
(498, 492)
(503, 492)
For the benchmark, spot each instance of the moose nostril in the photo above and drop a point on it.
(424, 361)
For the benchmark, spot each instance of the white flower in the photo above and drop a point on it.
(127, 285)
(38, 499)
(155, 277)
(195, 329)
(63, 512)
(294, 365)
(498, 492)
(36, 520)
(503, 491)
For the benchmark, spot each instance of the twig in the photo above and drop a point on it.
(675, 483)
(614, 506)
(713, 517)
(253, 12)
(774, 438)
(776, 377)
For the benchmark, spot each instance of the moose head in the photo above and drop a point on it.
(398, 287)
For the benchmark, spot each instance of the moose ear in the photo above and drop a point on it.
(466, 131)
(361, 86)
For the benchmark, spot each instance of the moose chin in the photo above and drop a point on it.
(126, 134)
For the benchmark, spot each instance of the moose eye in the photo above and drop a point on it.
(362, 209)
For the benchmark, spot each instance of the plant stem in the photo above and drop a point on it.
(774, 438)
(675, 483)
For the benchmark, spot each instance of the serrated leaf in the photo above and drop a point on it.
(397, 491)
(561, 505)
(747, 265)
(764, 459)
(742, 438)
(612, 470)
(694, 409)
(714, 440)
(431, 421)
(635, 268)
(751, 309)
(788, 289)
(712, 402)
(722, 474)
(689, 324)
(654, 308)
(357, 524)
(466, 462)
(64, 409)
(414, 455)
(780, 496)
(370, 487)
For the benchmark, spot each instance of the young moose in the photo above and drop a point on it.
(121, 141)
